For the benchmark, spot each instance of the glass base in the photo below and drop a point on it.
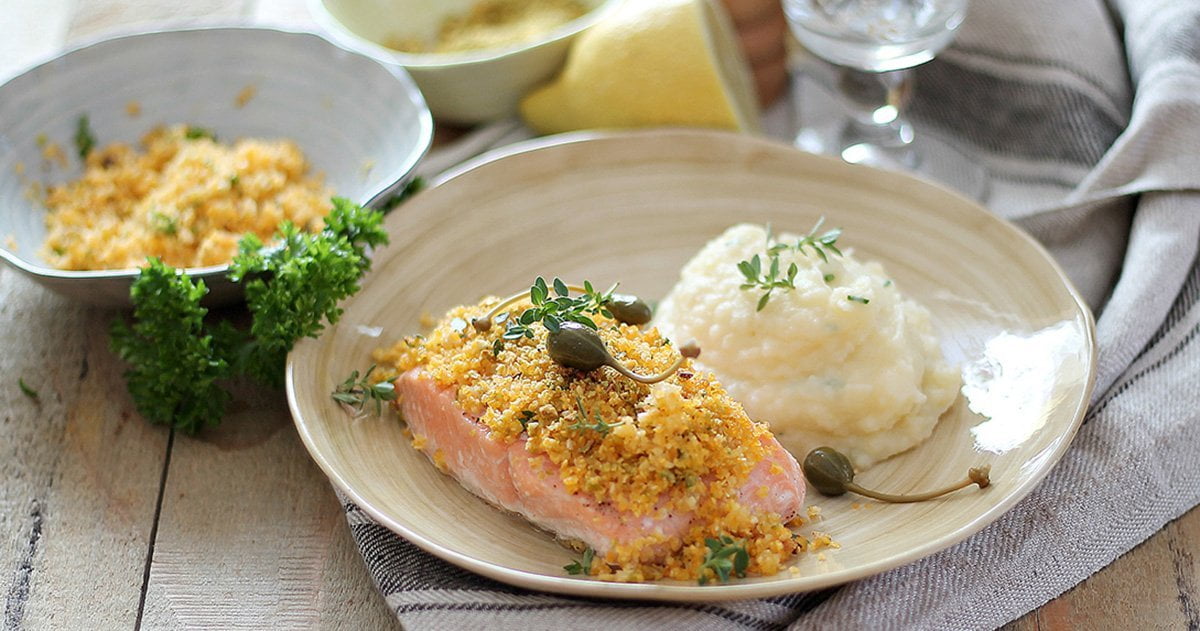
(826, 127)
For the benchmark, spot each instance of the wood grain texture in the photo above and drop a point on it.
(251, 535)
(80, 471)
(1154, 586)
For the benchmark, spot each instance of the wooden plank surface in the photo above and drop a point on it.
(80, 471)
(251, 535)
(1154, 586)
(106, 522)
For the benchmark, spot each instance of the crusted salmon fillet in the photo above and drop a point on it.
(508, 476)
(647, 476)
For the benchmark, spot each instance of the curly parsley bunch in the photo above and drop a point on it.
(292, 289)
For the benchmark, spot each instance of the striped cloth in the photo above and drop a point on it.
(1086, 115)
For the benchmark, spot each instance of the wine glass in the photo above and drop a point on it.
(874, 44)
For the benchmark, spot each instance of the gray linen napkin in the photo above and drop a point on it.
(1087, 117)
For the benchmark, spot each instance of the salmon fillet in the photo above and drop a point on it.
(509, 477)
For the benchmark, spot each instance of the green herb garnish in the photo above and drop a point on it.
(582, 567)
(292, 289)
(357, 392)
(164, 224)
(526, 417)
(724, 556)
(553, 310)
(770, 277)
(85, 140)
(591, 421)
(174, 360)
(414, 186)
(821, 245)
(858, 299)
(26, 390)
(196, 133)
(768, 281)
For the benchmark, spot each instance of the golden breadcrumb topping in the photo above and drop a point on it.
(186, 199)
(679, 445)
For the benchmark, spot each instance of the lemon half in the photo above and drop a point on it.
(651, 63)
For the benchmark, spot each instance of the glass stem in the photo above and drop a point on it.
(877, 132)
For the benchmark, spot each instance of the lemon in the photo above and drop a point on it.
(651, 63)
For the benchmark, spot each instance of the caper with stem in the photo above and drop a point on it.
(830, 471)
(577, 346)
(629, 309)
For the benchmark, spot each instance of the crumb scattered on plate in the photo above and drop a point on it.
(245, 95)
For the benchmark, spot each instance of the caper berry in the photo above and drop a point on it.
(830, 472)
(577, 346)
(629, 309)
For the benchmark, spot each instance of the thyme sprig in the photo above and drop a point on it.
(554, 309)
(822, 245)
(769, 281)
(581, 567)
(724, 556)
(591, 421)
(357, 392)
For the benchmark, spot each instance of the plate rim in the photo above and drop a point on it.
(673, 591)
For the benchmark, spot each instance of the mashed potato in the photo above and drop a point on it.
(842, 360)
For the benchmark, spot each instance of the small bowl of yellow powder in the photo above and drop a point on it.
(473, 59)
(175, 144)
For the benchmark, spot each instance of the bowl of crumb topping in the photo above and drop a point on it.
(196, 138)
(473, 59)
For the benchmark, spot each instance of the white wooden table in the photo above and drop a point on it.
(107, 522)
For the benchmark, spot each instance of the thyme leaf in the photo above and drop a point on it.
(725, 556)
(582, 567)
(552, 309)
(358, 392)
(591, 421)
(85, 140)
(26, 390)
(770, 277)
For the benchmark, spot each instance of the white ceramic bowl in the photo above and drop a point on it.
(361, 124)
(468, 87)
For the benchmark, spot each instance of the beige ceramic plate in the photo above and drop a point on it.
(633, 208)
